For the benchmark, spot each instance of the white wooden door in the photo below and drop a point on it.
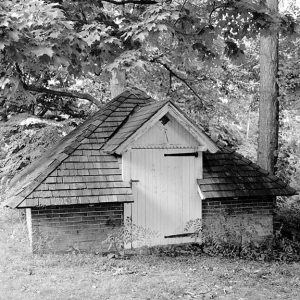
(165, 196)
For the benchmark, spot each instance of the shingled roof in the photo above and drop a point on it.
(227, 173)
(82, 167)
(77, 170)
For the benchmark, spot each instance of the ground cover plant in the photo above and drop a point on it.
(165, 274)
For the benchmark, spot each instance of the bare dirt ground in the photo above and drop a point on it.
(81, 276)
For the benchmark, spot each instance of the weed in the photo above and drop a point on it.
(128, 234)
(237, 237)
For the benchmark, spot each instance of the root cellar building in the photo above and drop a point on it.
(145, 161)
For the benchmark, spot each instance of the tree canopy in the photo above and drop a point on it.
(50, 43)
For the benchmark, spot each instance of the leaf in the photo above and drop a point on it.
(4, 82)
(162, 27)
(141, 36)
(61, 61)
(2, 45)
(140, 64)
(4, 23)
(42, 50)
(14, 35)
(112, 40)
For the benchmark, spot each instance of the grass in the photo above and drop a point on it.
(82, 276)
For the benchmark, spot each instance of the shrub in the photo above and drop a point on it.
(232, 238)
(288, 218)
(276, 248)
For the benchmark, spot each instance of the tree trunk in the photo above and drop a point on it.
(249, 116)
(117, 82)
(268, 106)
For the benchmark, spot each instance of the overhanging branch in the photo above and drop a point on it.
(172, 73)
(43, 90)
(71, 94)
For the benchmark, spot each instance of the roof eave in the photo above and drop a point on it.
(246, 194)
(13, 202)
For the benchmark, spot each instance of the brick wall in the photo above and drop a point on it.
(74, 227)
(249, 216)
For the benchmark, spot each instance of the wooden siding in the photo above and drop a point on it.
(170, 135)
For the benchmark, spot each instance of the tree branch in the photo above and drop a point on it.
(122, 2)
(71, 94)
(172, 73)
(182, 6)
(170, 83)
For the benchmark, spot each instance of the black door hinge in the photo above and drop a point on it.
(195, 154)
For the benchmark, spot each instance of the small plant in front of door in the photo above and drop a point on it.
(194, 228)
(127, 234)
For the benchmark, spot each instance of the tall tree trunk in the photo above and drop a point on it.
(117, 82)
(249, 116)
(268, 106)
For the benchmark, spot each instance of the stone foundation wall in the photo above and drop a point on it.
(74, 227)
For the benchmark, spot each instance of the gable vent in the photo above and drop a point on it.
(164, 120)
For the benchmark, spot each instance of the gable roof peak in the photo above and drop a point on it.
(146, 116)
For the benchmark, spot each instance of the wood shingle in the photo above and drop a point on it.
(75, 170)
(228, 174)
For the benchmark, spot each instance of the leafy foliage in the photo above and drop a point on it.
(233, 238)
(88, 36)
(275, 249)
(194, 227)
(288, 218)
(25, 138)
